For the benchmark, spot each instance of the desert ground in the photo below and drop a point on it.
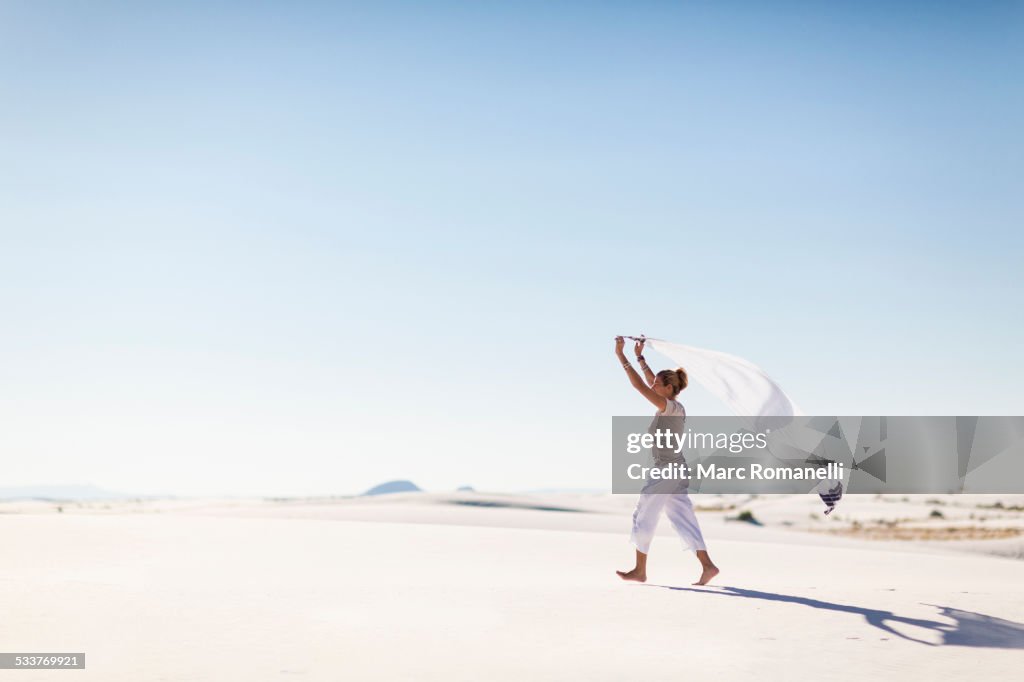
(470, 586)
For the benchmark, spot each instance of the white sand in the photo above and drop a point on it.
(250, 590)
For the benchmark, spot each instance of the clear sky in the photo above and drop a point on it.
(302, 248)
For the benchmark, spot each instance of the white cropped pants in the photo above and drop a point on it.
(674, 500)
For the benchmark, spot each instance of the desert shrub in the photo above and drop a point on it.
(748, 516)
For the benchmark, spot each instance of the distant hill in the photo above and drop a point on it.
(465, 489)
(60, 492)
(393, 487)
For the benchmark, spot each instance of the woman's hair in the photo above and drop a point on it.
(675, 378)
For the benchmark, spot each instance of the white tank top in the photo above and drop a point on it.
(672, 418)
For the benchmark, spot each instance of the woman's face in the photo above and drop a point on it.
(661, 388)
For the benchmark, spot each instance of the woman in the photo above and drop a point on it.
(661, 390)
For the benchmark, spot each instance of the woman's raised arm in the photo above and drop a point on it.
(634, 378)
(638, 349)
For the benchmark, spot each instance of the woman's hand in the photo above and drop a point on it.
(638, 347)
(620, 343)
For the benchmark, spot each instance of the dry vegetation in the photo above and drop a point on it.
(894, 532)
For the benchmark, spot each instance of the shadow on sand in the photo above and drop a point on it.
(967, 628)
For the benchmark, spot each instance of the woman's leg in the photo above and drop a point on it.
(645, 522)
(684, 520)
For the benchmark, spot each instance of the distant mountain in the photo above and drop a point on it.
(393, 487)
(465, 489)
(60, 492)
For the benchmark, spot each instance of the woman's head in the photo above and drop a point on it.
(668, 383)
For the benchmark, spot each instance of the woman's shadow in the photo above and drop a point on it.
(968, 628)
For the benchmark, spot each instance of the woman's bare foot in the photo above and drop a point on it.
(636, 575)
(706, 576)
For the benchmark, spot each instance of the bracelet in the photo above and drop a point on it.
(640, 358)
(626, 365)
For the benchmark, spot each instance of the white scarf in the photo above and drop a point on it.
(745, 389)
(740, 384)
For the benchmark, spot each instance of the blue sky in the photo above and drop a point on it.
(306, 247)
